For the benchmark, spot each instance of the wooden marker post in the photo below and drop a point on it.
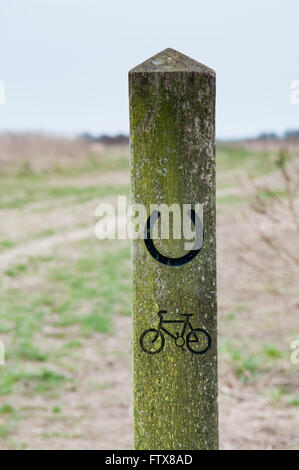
(172, 135)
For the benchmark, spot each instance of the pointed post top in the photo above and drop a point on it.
(170, 60)
(172, 143)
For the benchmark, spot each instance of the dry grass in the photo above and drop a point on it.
(65, 302)
(38, 153)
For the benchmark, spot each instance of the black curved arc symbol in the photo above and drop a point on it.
(155, 215)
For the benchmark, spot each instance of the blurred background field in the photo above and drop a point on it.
(65, 313)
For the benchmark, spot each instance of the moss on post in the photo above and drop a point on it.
(172, 137)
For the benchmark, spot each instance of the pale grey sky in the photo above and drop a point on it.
(65, 62)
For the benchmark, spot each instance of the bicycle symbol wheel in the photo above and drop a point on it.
(152, 341)
(198, 341)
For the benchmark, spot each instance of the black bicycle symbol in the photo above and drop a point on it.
(198, 340)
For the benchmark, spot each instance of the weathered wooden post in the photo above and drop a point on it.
(172, 136)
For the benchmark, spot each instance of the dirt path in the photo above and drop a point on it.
(43, 246)
(96, 407)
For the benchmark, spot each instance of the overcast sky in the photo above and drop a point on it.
(64, 63)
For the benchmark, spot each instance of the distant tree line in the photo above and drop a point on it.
(118, 139)
(122, 139)
(288, 134)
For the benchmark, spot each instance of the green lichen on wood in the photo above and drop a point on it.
(172, 127)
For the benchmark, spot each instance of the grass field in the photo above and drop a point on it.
(65, 306)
